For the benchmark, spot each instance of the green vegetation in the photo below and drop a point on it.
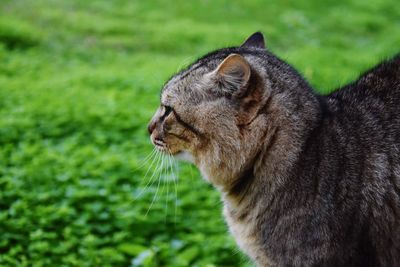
(79, 81)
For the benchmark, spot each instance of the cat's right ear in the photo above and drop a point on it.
(256, 40)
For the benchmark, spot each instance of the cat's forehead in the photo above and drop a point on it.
(188, 84)
(184, 84)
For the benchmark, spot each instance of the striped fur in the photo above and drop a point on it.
(306, 180)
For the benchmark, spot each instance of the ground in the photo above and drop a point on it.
(79, 81)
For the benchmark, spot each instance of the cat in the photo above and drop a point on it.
(305, 179)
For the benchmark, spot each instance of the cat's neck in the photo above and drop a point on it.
(274, 165)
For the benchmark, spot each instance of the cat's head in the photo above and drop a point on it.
(216, 112)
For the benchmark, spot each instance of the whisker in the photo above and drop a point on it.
(146, 159)
(173, 177)
(151, 177)
(157, 158)
(163, 177)
(172, 160)
(159, 173)
(167, 197)
(158, 186)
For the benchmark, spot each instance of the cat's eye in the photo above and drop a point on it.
(167, 111)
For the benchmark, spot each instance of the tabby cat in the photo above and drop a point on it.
(306, 179)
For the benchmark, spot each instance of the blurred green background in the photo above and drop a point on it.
(79, 81)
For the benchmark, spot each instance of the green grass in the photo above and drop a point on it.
(79, 81)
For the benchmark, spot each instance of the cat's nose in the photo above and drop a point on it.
(151, 127)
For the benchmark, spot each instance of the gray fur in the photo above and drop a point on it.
(306, 180)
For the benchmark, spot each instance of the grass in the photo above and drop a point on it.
(79, 81)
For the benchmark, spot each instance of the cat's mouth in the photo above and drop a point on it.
(160, 144)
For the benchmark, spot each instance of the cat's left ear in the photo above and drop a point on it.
(233, 74)
(256, 40)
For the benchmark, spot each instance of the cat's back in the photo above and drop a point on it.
(362, 123)
(370, 106)
(379, 85)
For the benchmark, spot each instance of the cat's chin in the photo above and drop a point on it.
(185, 156)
